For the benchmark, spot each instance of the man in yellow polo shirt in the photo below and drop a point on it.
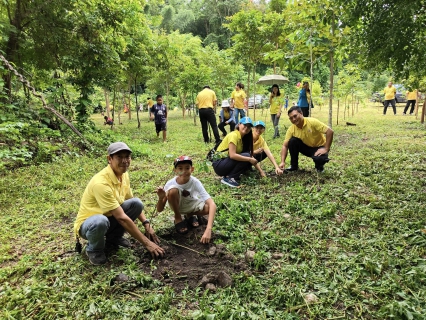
(307, 136)
(411, 99)
(108, 208)
(390, 93)
(206, 101)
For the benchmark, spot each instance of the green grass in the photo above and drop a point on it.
(355, 235)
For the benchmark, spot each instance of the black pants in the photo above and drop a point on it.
(296, 146)
(230, 168)
(386, 104)
(260, 156)
(305, 111)
(413, 104)
(223, 124)
(207, 116)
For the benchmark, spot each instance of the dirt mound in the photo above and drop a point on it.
(189, 263)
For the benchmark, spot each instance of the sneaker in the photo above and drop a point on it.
(96, 258)
(404, 114)
(122, 242)
(411, 114)
(230, 182)
(291, 169)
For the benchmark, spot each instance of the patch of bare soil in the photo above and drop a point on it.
(189, 263)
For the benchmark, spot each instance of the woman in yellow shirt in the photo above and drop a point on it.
(276, 101)
(411, 99)
(239, 101)
(260, 147)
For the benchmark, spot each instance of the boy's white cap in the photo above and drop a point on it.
(225, 104)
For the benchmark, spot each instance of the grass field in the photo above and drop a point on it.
(354, 236)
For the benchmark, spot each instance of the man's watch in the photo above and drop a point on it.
(145, 222)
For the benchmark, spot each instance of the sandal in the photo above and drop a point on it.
(202, 220)
(193, 221)
(182, 227)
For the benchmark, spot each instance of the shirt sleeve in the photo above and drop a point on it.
(289, 134)
(105, 198)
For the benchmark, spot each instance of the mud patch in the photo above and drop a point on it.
(188, 261)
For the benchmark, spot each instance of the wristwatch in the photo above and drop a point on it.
(145, 222)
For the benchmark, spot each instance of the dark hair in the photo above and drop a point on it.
(240, 85)
(106, 118)
(276, 86)
(158, 96)
(148, 98)
(295, 108)
(206, 87)
(247, 141)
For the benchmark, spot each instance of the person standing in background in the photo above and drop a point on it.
(239, 101)
(411, 99)
(390, 92)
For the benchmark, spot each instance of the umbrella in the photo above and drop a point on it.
(272, 79)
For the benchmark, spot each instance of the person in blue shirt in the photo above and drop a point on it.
(304, 97)
(286, 102)
(226, 117)
(158, 113)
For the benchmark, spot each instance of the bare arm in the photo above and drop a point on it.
(131, 228)
(235, 156)
(328, 140)
(284, 152)
(212, 212)
(271, 157)
(162, 199)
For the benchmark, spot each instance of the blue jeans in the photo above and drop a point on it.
(98, 227)
(239, 111)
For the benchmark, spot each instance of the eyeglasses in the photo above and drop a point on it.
(293, 117)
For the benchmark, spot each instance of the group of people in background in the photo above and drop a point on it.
(390, 99)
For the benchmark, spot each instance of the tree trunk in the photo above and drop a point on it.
(312, 70)
(254, 94)
(338, 106)
(106, 94)
(330, 99)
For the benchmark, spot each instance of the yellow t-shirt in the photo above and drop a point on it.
(150, 103)
(238, 97)
(206, 99)
(312, 132)
(103, 194)
(276, 105)
(412, 95)
(260, 143)
(235, 138)
(389, 93)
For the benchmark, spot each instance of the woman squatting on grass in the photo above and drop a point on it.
(239, 145)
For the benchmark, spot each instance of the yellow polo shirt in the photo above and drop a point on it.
(103, 194)
(389, 93)
(235, 138)
(238, 97)
(276, 104)
(412, 95)
(150, 103)
(206, 99)
(312, 132)
(260, 143)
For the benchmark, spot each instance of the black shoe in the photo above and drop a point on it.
(290, 169)
(320, 169)
(122, 242)
(96, 258)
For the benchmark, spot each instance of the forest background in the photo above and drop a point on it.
(362, 253)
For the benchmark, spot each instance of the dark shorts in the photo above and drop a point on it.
(160, 127)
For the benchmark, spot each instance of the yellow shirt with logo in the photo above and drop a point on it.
(239, 97)
(389, 93)
(412, 95)
(235, 138)
(311, 134)
(103, 194)
(206, 99)
(276, 105)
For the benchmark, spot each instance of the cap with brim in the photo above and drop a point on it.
(225, 104)
(259, 123)
(117, 147)
(182, 159)
(246, 120)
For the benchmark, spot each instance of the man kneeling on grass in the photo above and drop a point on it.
(186, 195)
(108, 208)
